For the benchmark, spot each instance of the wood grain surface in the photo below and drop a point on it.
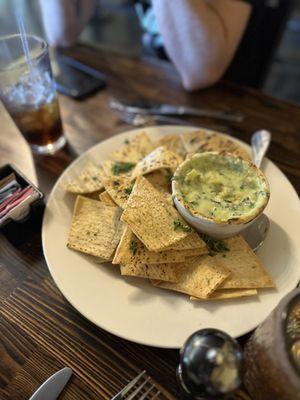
(39, 331)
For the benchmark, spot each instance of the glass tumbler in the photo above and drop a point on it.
(27, 90)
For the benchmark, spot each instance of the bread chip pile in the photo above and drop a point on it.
(134, 224)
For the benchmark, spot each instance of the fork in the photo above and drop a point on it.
(140, 388)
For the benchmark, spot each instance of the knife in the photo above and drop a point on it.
(53, 386)
(169, 109)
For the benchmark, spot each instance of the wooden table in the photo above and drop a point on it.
(39, 331)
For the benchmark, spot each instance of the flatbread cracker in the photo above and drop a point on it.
(163, 272)
(160, 158)
(119, 188)
(96, 228)
(161, 180)
(89, 180)
(131, 250)
(115, 169)
(201, 141)
(192, 241)
(93, 195)
(202, 276)
(227, 294)
(152, 218)
(247, 271)
(134, 149)
(106, 198)
(173, 143)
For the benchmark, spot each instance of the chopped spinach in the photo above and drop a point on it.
(128, 189)
(178, 225)
(214, 245)
(133, 247)
(121, 167)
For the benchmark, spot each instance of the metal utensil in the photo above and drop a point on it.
(150, 120)
(53, 386)
(256, 233)
(169, 109)
(260, 142)
(141, 388)
(140, 119)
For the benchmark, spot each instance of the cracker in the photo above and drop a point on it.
(89, 180)
(201, 277)
(93, 195)
(163, 272)
(152, 218)
(227, 294)
(201, 141)
(134, 149)
(192, 241)
(161, 180)
(118, 168)
(106, 198)
(119, 188)
(247, 271)
(96, 228)
(173, 143)
(160, 158)
(193, 252)
(107, 168)
(132, 250)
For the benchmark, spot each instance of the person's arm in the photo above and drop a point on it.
(65, 19)
(201, 36)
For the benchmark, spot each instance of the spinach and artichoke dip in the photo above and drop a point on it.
(221, 187)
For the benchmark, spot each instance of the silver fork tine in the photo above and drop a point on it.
(138, 389)
(129, 386)
(155, 396)
(144, 396)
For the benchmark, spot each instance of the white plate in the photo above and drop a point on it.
(130, 307)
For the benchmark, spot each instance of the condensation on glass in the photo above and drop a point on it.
(27, 90)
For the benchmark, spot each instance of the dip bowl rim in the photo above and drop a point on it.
(242, 220)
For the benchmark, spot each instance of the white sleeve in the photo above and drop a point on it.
(64, 20)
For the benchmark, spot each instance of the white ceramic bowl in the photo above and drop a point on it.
(209, 225)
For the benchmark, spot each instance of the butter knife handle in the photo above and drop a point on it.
(169, 109)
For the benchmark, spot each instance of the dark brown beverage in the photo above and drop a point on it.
(41, 126)
(27, 89)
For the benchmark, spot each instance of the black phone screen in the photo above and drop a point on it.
(77, 80)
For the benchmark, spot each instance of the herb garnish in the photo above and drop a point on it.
(126, 141)
(133, 247)
(120, 167)
(178, 225)
(169, 175)
(128, 189)
(214, 245)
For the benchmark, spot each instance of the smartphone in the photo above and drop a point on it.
(75, 79)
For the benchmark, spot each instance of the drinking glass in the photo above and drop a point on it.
(27, 89)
